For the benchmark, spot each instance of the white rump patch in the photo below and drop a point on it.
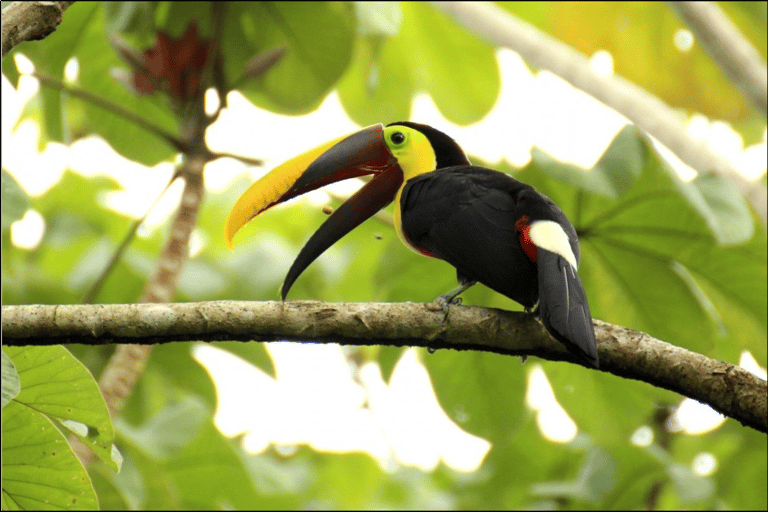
(549, 235)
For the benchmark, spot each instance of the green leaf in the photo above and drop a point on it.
(387, 357)
(123, 135)
(318, 37)
(596, 478)
(80, 236)
(15, 201)
(253, 352)
(430, 52)
(742, 475)
(457, 68)
(489, 395)
(653, 248)
(40, 471)
(199, 470)
(725, 210)
(378, 87)
(11, 383)
(57, 385)
(210, 471)
(378, 18)
(368, 477)
(168, 431)
(690, 486)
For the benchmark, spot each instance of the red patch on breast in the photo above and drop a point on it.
(421, 250)
(523, 228)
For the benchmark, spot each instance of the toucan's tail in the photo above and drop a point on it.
(564, 308)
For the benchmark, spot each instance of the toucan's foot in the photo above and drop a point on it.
(446, 301)
(452, 298)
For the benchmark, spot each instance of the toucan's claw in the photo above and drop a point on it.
(446, 301)
(452, 298)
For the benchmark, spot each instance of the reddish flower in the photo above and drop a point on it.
(177, 63)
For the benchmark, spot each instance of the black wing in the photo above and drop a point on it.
(466, 216)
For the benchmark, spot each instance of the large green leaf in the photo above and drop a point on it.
(482, 392)
(40, 471)
(652, 247)
(398, 488)
(318, 37)
(430, 53)
(378, 86)
(11, 383)
(742, 471)
(58, 386)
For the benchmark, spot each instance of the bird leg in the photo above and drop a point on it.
(452, 297)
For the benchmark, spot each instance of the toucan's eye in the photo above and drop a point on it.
(397, 138)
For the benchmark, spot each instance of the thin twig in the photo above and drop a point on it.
(212, 155)
(174, 141)
(97, 285)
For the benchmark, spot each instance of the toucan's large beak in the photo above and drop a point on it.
(361, 153)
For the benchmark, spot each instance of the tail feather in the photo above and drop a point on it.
(564, 308)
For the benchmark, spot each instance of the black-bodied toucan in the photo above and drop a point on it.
(493, 228)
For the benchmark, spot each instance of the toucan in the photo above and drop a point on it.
(491, 227)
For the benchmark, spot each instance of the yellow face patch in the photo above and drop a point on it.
(415, 156)
(412, 149)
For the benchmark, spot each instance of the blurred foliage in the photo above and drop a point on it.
(408, 48)
(682, 261)
(640, 36)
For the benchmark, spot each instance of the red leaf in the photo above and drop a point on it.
(174, 64)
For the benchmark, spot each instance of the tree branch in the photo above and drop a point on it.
(30, 21)
(727, 388)
(645, 110)
(729, 48)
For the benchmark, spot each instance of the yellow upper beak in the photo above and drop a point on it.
(269, 190)
(364, 152)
